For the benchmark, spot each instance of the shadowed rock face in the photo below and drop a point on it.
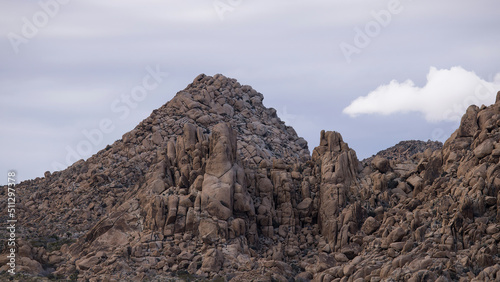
(214, 185)
(338, 171)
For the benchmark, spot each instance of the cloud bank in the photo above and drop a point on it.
(445, 97)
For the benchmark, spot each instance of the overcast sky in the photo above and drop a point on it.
(378, 72)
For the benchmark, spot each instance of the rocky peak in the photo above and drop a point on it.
(211, 100)
(407, 150)
(214, 186)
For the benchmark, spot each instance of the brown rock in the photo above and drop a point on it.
(222, 150)
(208, 230)
(401, 261)
(305, 204)
(370, 225)
(397, 234)
(220, 176)
(341, 257)
(381, 164)
(87, 263)
(423, 275)
(30, 266)
(492, 229)
(304, 277)
(416, 181)
(468, 125)
(238, 226)
(484, 149)
(212, 261)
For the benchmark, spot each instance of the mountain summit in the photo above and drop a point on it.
(213, 185)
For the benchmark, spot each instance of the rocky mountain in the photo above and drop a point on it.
(214, 186)
(406, 150)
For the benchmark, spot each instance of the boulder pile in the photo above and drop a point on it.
(213, 185)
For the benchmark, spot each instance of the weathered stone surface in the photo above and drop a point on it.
(381, 164)
(212, 261)
(87, 263)
(484, 149)
(370, 225)
(218, 185)
(468, 125)
(338, 169)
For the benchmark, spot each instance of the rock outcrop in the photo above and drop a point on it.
(213, 185)
(336, 168)
(406, 150)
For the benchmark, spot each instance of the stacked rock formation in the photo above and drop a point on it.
(405, 150)
(213, 185)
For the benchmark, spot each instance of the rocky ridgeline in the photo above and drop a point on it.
(406, 151)
(214, 186)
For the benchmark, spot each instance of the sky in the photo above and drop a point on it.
(76, 75)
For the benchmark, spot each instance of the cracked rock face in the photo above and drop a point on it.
(213, 185)
(218, 188)
(338, 170)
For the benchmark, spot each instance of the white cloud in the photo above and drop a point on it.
(445, 97)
